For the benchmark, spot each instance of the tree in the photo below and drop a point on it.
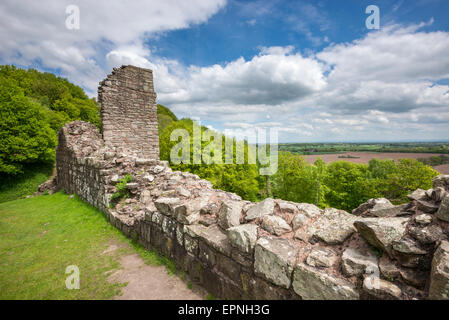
(349, 185)
(409, 176)
(239, 178)
(295, 179)
(25, 135)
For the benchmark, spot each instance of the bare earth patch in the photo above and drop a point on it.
(147, 282)
(444, 168)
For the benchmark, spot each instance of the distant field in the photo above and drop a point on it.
(365, 157)
(444, 168)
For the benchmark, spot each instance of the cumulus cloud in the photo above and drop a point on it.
(35, 31)
(383, 83)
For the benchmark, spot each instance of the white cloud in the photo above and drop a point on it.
(382, 86)
(35, 31)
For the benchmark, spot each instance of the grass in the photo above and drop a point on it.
(17, 187)
(43, 235)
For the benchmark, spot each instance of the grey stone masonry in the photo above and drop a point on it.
(129, 111)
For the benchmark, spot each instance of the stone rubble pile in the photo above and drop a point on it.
(273, 249)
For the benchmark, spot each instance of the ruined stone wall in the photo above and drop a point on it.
(273, 249)
(79, 169)
(129, 111)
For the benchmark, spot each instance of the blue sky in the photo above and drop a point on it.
(241, 27)
(309, 69)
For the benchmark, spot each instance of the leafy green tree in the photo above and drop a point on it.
(409, 176)
(25, 135)
(349, 185)
(33, 107)
(295, 179)
(239, 178)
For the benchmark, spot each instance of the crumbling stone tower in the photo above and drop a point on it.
(129, 111)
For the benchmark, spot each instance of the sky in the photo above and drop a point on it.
(311, 70)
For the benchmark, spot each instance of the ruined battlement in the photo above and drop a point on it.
(237, 249)
(129, 111)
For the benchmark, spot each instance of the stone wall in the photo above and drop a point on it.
(273, 249)
(129, 111)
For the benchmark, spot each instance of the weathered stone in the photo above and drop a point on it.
(188, 212)
(263, 208)
(132, 185)
(157, 218)
(407, 246)
(413, 277)
(229, 214)
(333, 226)
(148, 177)
(217, 239)
(145, 162)
(300, 220)
(169, 227)
(275, 225)
(158, 169)
(427, 235)
(274, 259)
(426, 206)
(439, 275)
(372, 205)
(380, 289)
(389, 212)
(145, 197)
(408, 253)
(313, 284)
(191, 244)
(301, 235)
(309, 210)
(418, 194)
(423, 219)
(166, 205)
(182, 192)
(438, 194)
(243, 237)
(443, 211)
(381, 232)
(357, 262)
(387, 268)
(321, 257)
(286, 207)
(441, 181)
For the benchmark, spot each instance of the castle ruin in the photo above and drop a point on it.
(238, 249)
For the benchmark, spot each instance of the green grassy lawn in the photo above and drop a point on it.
(41, 236)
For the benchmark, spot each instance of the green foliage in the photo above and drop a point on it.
(33, 107)
(17, 187)
(164, 117)
(348, 185)
(239, 178)
(435, 160)
(122, 191)
(25, 135)
(409, 175)
(345, 185)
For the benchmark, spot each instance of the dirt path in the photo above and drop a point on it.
(147, 282)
